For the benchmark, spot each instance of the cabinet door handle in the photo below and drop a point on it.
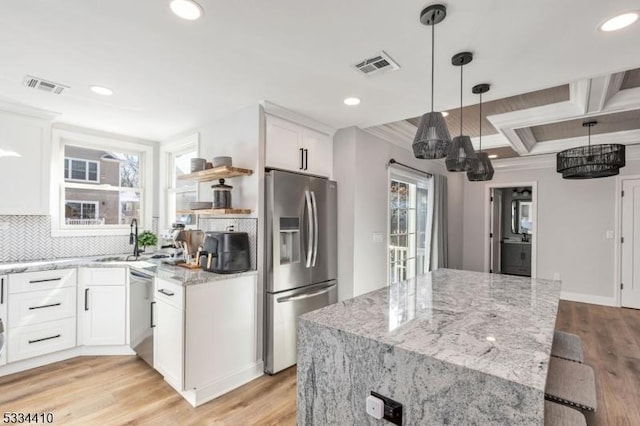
(43, 339)
(86, 299)
(1, 291)
(45, 280)
(306, 158)
(152, 324)
(301, 159)
(166, 292)
(44, 306)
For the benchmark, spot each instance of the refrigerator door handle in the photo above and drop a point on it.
(307, 196)
(306, 295)
(315, 227)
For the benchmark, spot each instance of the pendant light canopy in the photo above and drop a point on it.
(432, 138)
(591, 162)
(481, 168)
(461, 153)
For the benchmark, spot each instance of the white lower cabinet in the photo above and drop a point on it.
(41, 313)
(102, 315)
(3, 318)
(206, 336)
(168, 333)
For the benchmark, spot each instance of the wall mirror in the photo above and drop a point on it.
(521, 217)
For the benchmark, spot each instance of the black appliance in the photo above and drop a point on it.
(225, 252)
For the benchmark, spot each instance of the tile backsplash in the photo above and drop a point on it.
(29, 238)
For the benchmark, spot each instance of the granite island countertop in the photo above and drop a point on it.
(454, 347)
(496, 324)
(154, 267)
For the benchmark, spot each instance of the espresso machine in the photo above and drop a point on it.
(171, 246)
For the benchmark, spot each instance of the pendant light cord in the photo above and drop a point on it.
(433, 46)
(480, 121)
(461, 67)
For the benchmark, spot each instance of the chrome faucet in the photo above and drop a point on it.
(133, 238)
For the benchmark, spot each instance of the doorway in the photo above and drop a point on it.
(630, 243)
(511, 230)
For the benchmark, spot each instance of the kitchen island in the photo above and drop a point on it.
(454, 347)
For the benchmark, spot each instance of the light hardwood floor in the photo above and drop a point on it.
(124, 390)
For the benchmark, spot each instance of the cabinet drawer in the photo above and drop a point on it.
(42, 280)
(171, 293)
(102, 276)
(35, 307)
(39, 339)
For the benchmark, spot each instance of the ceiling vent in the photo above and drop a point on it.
(376, 64)
(44, 85)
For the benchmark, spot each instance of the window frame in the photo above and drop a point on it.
(168, 152)
(86, 170)
(61, 138)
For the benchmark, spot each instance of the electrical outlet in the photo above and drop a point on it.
(556, 276)
(609, 235)
(4, 226)
(392, 409)
(377, 237)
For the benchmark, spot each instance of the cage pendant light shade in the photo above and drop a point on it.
(591, 161)
(461, 154)
(481, 167)
(432, 138)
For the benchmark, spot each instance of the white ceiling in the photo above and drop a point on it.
(171, 75)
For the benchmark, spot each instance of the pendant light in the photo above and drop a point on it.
(481, 168)
(432, 138)
(591, 161)
(461, 153)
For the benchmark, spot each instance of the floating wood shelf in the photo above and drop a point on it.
(222, 172)
(215, 212)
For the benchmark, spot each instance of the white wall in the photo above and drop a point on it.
(573, 219)
(360, 168)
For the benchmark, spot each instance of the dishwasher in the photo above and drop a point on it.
(141, 314)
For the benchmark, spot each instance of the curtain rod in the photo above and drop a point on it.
(393, 161)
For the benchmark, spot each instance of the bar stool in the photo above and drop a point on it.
(571, 383)
(567, 346)
(561, 415)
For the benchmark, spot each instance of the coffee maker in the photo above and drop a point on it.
(170, 245)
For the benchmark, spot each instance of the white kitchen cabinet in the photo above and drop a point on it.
(102, 306)
(290, 146)
(3, 315)
(42, 314)
(26, 145)
(168, 333)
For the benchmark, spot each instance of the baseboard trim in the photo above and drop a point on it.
(220, 387)
(588, 298)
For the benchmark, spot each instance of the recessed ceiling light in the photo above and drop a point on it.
(186, 9)
(352, 101)
(445, 113)
(101, 90)
(619, 22)
(492, 156)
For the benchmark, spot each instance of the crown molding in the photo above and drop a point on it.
(28, 110)
(297, 118)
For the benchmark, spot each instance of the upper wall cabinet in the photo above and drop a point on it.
(25, 157)
(293, 147)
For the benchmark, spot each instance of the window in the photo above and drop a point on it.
(81, 170)
(409, 230)
(101, 182)
(180, 192)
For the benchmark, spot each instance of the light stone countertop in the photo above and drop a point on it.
(180, 275)
(495, 324)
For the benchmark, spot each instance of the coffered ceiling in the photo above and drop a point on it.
(545, 121)
(169, 75)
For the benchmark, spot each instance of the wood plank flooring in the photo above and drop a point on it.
(117, 390)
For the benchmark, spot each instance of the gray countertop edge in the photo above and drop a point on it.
(180, 275)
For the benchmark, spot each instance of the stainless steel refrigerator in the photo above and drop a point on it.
(301, 258)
